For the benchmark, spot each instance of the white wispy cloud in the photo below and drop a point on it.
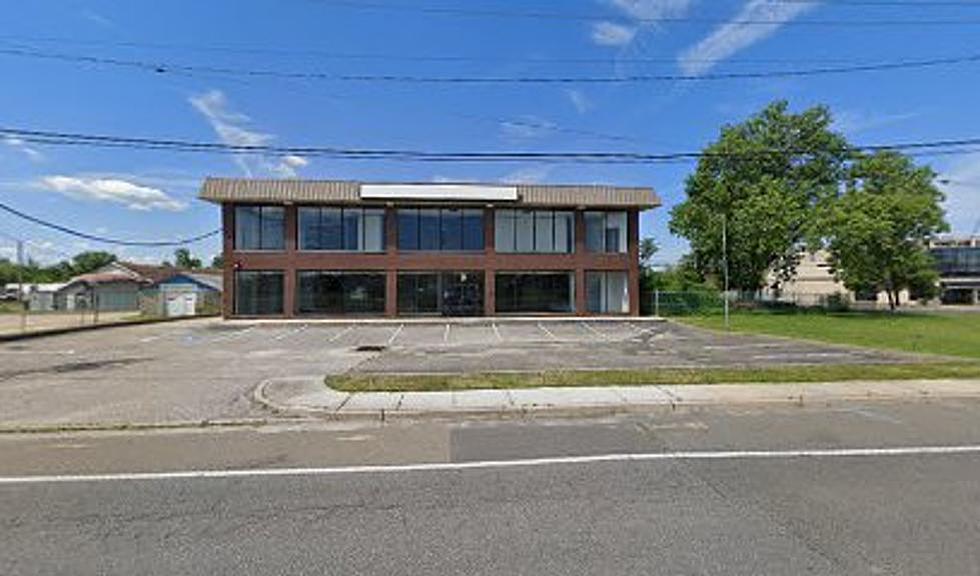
(612, 34)
(528, 175)
(853, 122)
(638, 15)
(234, 128)
(734, 36)
(129, 194)
(22, 147)
(527, 127)
(962, 189)
(579, 100)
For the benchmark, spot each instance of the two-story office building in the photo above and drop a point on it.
(958, 261)
(295, 248)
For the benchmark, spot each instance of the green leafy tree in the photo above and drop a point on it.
(218, 261)
(879, 226)
(760, 182)
(648, 249)
(85, 262)
(184, 259)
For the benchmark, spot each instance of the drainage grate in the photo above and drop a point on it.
(371, 348)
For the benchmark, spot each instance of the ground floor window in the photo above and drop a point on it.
(528, 292)
(319, 292)
(607, 292)
(445, 293)
(258, 293)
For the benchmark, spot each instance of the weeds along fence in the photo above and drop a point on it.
(706, 302)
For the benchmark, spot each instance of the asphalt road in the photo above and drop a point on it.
(722, 491)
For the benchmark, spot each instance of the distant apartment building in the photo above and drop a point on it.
(958, 260)
(815, 285)
(337, 248)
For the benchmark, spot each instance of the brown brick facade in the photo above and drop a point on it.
(291, 260)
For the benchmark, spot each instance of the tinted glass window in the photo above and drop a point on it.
(607, 293)
(535, 293)
(451, 229)
(258, 293)
(428, 229)
(534, 231)
(564, 232)
(408, 229)
(473, 229)
(340, 293)
(504, 230)
(259, 228)
(350, 229)
(605, 231)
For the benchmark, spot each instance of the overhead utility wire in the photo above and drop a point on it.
(100, 140)
(104, 239)
(164, 68)
(590, 17)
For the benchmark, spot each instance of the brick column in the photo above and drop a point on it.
(633, 246)
(228, 270)
(581, 305)
(490, 252)
(391, 257)
(289, 268)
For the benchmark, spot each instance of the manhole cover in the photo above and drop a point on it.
(370, 348)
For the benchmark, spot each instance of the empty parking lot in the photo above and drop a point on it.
(207, 369)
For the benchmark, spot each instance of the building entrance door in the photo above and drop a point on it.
(440, 293)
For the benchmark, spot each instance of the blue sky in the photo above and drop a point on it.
(151, 194)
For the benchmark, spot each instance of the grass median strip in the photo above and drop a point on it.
(778, 374)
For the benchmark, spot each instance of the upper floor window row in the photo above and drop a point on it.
(260, 227)
(445, 229)
(605, 232)
(342, 229)
(534, 231)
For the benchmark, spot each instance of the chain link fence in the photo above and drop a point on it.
(706, 302)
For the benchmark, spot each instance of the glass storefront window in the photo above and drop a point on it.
(258, 293)
(259, 227)
(528, 292)
(607, 292)
(445, 293)
(319, 292)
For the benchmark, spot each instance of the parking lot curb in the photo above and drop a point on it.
(312, 398)
(88, 327)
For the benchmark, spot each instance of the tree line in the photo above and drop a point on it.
(83, 263)
(782, 184)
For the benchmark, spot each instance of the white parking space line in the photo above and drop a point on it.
(340, 334)
(289, 333)
(445, 335)
(496, 332)
(798, 455)
(395, 334)
(548, 332)
(40, 352)
(594, 331)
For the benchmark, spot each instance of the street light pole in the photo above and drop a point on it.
(20, 286)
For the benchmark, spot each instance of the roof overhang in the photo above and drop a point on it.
(255, 191)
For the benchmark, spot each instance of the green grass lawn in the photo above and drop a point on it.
(947, 334)
(353, 382)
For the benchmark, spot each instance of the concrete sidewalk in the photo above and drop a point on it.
(311, 396)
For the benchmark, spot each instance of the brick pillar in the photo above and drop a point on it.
(391, 257)
(289, 268)
(228, 247)
(581, 306)
(633, 247)
(490, 253)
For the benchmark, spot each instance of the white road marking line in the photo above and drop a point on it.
(594, 331)
(39, 352)
(504, 464)
(149, 339)
(496, 332)
(395, 334)
(445, 335)
(548, 332)
(338, 335)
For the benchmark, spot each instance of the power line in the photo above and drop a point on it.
(103, 239)
(166, 68)
(935, 147)
(592, 17)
